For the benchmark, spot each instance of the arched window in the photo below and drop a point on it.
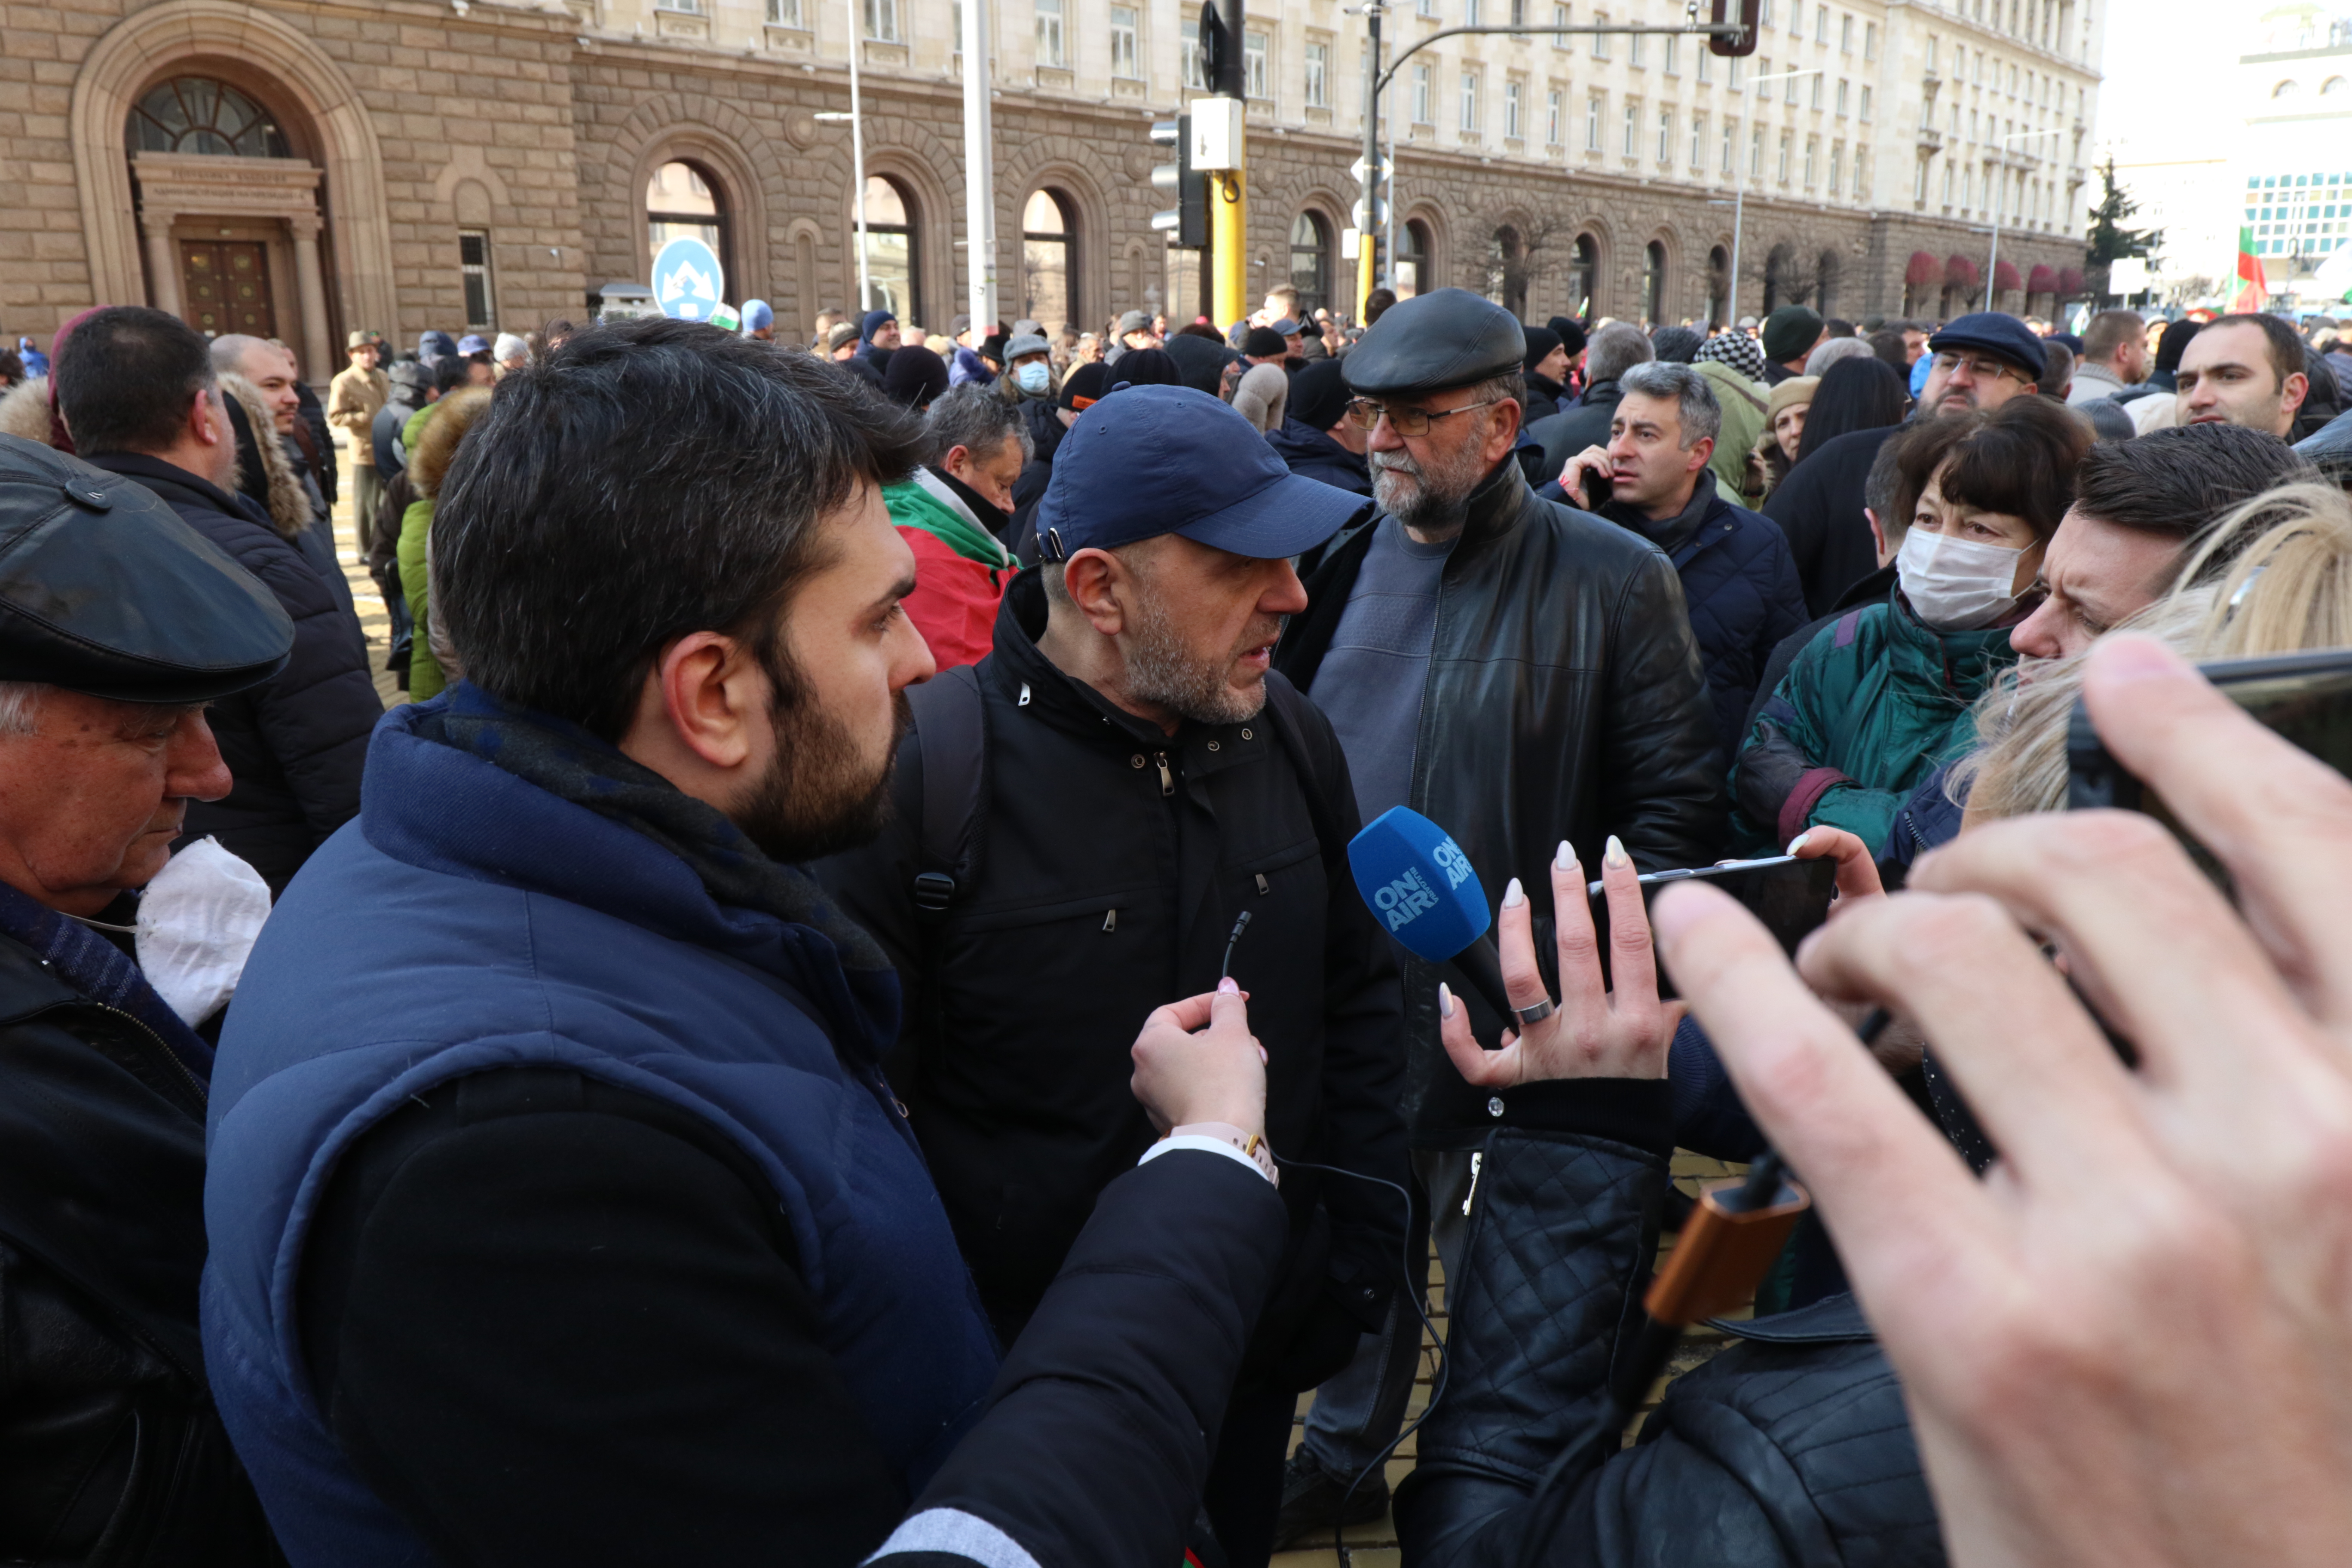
(1718, 284)
(1412, 258)
(1310, 263)
(2285, 89)
(196, 114)
(2335, 86)
(890, 249)
(1826, 286)
(1506, 269)
(682, 200)
(1583, 276)
(1776, 280)
(1654, 284)
(1047, 244)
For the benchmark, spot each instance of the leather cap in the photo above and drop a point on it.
(103, 590)
(1449, 337)
(1993, 332)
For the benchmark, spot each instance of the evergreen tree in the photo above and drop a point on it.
(2109, 239)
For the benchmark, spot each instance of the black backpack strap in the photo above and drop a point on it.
(951, 738)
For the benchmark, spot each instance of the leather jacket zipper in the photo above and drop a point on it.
(1167, 779)
(204, 1095)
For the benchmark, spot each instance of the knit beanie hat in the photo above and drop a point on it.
(1265, 342)
(1735, 349)
(1570, 332)
(1541, 340)
(1675, 345)
(1319, 394)
(1789, 331)
(1797, 389)
(915, 376)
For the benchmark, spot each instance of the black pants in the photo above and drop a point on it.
(1244, 1490)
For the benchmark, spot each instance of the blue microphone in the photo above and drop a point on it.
(1422, 889)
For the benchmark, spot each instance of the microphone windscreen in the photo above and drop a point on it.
(1419, 884)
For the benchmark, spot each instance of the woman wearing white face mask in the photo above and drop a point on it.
(1880, 698)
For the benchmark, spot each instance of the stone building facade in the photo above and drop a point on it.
(318, 165)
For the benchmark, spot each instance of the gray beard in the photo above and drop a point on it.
(1160, 671)
(1435, 502)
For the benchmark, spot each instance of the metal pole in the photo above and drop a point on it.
(1993, 266)
(1366, 247)
(1739, 214)
(1229, 188)
(979, 173)
(857, 159)
(1388, 186)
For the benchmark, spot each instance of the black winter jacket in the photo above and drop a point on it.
(1571, 430)
(1563, 700)
(1820, 507)
(296, 743)
(1791, 1450)
(111, 1454)
(1109, 864)
(1741, 583)
(1314, 454)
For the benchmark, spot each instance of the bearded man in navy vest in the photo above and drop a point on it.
(558, 1209)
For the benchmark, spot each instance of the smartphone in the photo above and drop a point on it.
(1791, 897)
(2305, 698)
(1597, 490)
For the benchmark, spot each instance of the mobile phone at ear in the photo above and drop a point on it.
(2304, 697)
(1597, 490)
(1791, 897)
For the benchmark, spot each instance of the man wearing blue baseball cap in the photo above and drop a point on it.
(1090, 814)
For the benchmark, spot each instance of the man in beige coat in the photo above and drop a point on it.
(353, 399)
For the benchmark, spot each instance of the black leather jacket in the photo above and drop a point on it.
(1793, 1448)
(111, 1452)
(1564, 701)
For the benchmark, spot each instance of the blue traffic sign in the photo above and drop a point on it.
(688, 283)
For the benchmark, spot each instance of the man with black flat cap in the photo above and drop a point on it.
(118, 623)
(1084, 818)
(1981, 361)
(1522, 673)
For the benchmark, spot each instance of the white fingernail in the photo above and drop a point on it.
(1798, 842)
(1614, 855)
(1514, 895)
(1564, 857)
(1445, 1001)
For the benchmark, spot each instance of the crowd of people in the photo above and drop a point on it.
(837, 1013)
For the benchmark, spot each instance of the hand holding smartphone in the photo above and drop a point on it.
(1789, 895)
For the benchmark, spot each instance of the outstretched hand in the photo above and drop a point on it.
(1196, 1060)
(1595, 1032)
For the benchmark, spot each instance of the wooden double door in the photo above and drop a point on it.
(225, 287)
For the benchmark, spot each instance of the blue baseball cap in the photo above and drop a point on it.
(1149, 460)
(758, 313)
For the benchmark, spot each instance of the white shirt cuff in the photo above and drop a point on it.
(1192, 1140)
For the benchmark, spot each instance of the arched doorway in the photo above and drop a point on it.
(1718, 285)
(686, 201)
(1583, 276)
(1776, 279)
(891, 235)
(1506, 271)
(230, 213)
(1049, 253)
(1414, 248)
(1826, 284)
(1654, 283)
(1310, 262)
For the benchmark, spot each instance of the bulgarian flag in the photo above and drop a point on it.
(2250, 292)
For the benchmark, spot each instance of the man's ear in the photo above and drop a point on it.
(1877, 534)
(957, 460)
(1702, 448)
(1503, 433)
(208, 419)
(707, 688)
(1096, 580)
(2297, 388)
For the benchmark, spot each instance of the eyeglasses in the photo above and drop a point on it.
(1979, 369)
(1405, 421)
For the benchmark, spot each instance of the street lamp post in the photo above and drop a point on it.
(2001, 198)
(1739, 203)
(1368, 222)
(857, 158)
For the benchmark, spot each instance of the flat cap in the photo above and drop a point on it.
(1027, 344)
(103, 590)
(1449, 337)
(1134, 321)
(1992, 332)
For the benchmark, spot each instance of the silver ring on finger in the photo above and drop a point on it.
(1535, 1015)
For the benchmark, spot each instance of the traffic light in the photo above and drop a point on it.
(1750, 17)
(1188, 220)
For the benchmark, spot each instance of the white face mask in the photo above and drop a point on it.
(1957, 584)
(1031, 377)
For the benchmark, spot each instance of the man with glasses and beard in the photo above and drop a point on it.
(1522, 673)
(558, 1209)
(1087, 817)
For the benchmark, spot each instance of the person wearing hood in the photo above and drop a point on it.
(952, 509)
(296, 740)
(35, 362)
(409, 388)
(432, 347)
(1316, 437)
(964, 365)
(1880, 698)
(1546, 372)
(877, 339)
(437, 448)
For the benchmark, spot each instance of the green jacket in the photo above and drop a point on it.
(1743, 404)
(424, 677)
(1875, 704)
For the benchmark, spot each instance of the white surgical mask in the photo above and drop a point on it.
(197, 922)
(1957, 584)
(1031, 377)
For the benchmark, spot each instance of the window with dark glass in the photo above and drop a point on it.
(197, 114)
(474, 270)
(1310, 263)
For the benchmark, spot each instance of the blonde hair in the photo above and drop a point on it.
(2289, 590)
